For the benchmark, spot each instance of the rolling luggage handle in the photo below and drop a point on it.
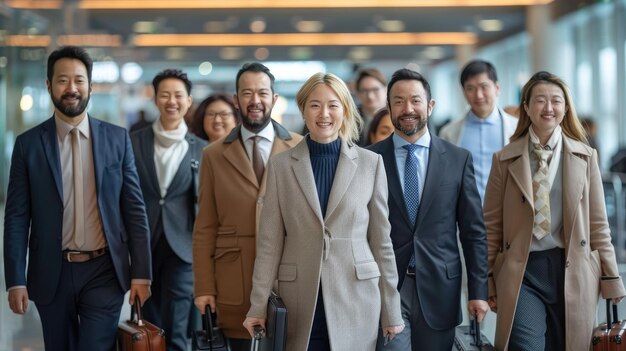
(259, 333)
(617, 338)
(475, 331)
(207, 324)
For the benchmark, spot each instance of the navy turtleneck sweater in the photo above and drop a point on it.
(324, 158)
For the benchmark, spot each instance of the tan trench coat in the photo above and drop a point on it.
(588, 249)
(230, 202)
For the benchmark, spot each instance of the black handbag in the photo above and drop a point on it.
(210, 337)
(274, 338)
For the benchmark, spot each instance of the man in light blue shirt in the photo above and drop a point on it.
(486, 128)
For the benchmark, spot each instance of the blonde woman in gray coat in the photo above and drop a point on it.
(324, 232)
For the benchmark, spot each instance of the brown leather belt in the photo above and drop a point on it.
(83, 256)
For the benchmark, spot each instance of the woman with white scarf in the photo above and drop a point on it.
(167, 159)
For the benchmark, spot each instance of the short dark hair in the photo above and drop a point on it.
(171, 73)
(407, 74)
(72, 52)
(197, 123)
(477, 67)
(370, 72)
(254, 67)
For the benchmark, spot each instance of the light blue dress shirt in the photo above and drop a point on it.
(422, 158)
(482, 137)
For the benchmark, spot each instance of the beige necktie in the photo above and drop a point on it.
(541, 193)
(257, 159)
(77, 172)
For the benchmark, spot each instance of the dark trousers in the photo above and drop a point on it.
(319, 330)
(417, 334)
(172, 296)
(539, 322)
(85, 310)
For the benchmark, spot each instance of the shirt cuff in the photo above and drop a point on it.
(141, 281)
(17, 287)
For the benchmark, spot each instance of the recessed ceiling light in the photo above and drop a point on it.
(300, 52)
(144, 27)
(309, 26)
(433, 53)
(391, 25)
(360, 53)
(261, 54)
(205, 68)
(174, 53)
(258, 26)
(490, 25)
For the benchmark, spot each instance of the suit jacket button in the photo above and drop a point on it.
(566, 263)
(583, 243)
(161, 202)
(259, 200)
(508, 245)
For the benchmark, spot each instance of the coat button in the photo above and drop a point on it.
(259, 200)
(508, 245)
(161, 202)
(566, 263)
(583, 243)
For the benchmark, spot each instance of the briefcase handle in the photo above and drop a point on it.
(135, 311)
(207, 323)
(475, 331)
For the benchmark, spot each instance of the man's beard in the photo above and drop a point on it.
(421, 124)
(252, 125)
(71, 110)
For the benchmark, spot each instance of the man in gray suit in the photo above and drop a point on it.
(167, 159)
(431, 191)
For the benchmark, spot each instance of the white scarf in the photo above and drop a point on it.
(556, 145)
(170, 147)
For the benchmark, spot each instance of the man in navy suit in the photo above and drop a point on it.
(431, 191)
(75, 206)
(167, 159)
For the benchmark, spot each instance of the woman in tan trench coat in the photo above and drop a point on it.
(325, 232)
(546, 275)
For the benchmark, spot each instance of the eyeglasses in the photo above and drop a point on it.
(370, 91)
(223, 114)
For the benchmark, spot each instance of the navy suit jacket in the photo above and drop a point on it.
(449, 199)
(34, 209)
(174, 214)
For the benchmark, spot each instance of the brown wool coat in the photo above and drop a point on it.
(230, 202)
(589, 254)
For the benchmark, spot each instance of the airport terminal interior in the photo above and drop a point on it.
(582, 41)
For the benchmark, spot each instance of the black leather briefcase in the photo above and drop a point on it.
(210, 337)
(275, 337)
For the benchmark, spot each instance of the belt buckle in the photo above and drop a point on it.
(68, 255)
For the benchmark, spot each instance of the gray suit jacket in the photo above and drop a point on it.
(348, 251)
(174, 214)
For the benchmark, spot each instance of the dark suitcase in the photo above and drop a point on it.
(138, 334)
(210, 337)
(469, 338)
(274, 338)
(600, 338)
(617, 339)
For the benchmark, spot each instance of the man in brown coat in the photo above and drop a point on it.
(232, 186)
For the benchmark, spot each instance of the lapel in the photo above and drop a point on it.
(51, 148)
(574, 179)
(393, 179)
(235, 154)
(301, 166)
(183, 169)
(519, 169)
(147, 154)
(346, 168)
(98, 145)
(437, 163)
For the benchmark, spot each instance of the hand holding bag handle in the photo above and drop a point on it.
(135, 311)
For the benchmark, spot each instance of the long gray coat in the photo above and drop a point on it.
(349, 251)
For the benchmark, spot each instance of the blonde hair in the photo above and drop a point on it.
(351, 126)
(570, 125)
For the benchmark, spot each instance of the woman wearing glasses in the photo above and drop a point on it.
(215, 117)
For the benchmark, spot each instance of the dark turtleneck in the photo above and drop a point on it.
(324, 158)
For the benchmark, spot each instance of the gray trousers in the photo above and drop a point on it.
(417, 335)
(539, 322)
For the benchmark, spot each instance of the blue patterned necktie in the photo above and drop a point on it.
(411, 190)
(411, 182)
